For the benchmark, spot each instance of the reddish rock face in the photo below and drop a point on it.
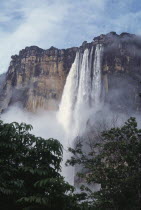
(36, 77)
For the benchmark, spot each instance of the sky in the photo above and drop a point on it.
(62, 23)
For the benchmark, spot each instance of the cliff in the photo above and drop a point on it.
(36, 77)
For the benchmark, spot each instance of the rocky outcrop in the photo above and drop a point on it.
(36, 77)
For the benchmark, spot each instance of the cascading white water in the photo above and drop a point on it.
(96, 80)
(65, 114)
(69, 96)
(81, 95)
(82, 91)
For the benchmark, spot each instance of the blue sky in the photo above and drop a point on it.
(62, 23)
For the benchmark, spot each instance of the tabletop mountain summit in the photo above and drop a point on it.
(36, 78)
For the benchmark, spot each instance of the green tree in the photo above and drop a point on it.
(114, 164)
(29, 171)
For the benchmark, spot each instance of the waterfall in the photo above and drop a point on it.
(82, 91)
(81, 97)
(96, 80)
(81, 108)
(69, 97)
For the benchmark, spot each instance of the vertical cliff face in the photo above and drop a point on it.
(36, 77)
(122, 71)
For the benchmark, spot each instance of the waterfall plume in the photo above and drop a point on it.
(82, 91)
(96, 80)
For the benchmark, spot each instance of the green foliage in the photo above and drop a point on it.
(29, 171)
(114, 164)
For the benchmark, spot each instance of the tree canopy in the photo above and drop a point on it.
(30, 171)
(115, 164)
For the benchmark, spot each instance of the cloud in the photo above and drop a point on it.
(39, 24)
(61, 23)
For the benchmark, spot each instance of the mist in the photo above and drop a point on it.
(46, 125)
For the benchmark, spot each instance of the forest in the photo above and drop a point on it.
(30, 170)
